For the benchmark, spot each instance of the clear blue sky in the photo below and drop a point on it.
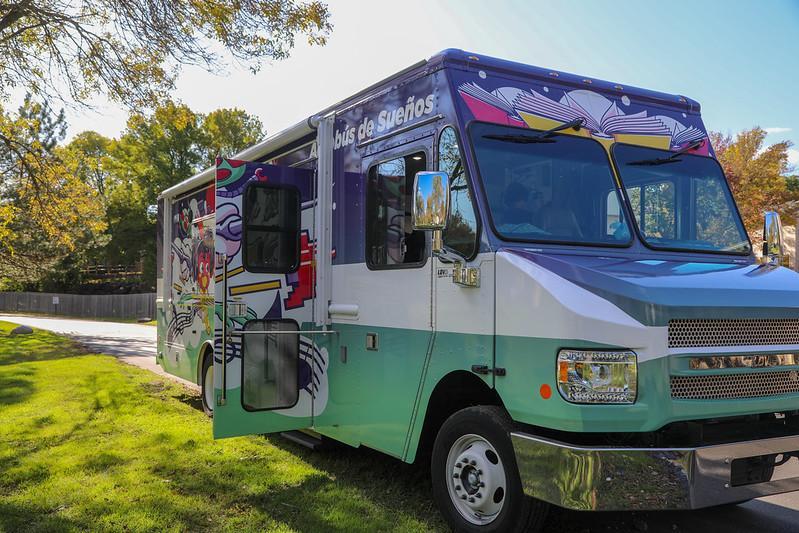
(739, 59)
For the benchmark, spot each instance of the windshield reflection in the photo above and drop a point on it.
(682, 205)
(561, 190)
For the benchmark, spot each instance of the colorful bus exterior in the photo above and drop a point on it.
(590, 315)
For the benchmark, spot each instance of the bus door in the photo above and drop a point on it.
(384, 298)
(268, 367)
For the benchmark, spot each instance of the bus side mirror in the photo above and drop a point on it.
(430, 201)
(773, 241)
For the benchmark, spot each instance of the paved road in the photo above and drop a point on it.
(135, 344)
(131, 343)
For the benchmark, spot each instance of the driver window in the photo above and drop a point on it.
(391, 241)
(460, 234)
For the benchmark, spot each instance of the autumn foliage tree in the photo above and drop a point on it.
(67, 51)
(759, 175)
(42, 219)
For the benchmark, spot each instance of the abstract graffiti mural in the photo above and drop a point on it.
(262, 295)
(190, 311)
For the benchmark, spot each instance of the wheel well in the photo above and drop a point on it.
(206, 350)
(455, 391)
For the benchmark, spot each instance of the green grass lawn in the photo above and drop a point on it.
(88, 443)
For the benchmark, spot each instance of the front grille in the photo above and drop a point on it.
(732, 386)
(698, 332)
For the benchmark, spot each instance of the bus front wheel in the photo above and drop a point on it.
(476, 482)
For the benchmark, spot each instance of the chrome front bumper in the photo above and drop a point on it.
(606, 479)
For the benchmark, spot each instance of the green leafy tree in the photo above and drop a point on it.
(131, 51)
(156, 151)
(228, 131)
(87, 157)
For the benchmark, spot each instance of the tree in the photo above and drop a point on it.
(228, 131)
(43, 219)
(132, 50)
(156, 151)
(757, 174)
(87, 158)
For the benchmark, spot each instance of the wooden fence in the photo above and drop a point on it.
(80, 305)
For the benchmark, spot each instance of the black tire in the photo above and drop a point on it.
(519, 512)
(208, 361)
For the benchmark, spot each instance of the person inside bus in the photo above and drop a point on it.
(517, 207)
(557, 217)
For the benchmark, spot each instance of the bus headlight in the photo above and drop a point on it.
(596, 376)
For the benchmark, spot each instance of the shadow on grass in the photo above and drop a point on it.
(104, 449)
(352, 490)
(15, 517)
(38, 346)
(16, 384)
(17, 380)
(190, 398)
(384, 481)
(356, 482)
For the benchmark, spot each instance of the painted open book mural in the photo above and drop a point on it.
(604, 119)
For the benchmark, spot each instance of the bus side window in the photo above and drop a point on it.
(270, 364)
(271, 242)
(461, 232)
(391, 241)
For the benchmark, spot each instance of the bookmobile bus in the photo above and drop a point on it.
(537, 281)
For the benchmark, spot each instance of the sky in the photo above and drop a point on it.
(739, 59)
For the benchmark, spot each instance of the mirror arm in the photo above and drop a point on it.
(445, 256)
(438, 241)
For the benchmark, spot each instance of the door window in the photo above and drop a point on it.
(271, 228)
(390, 239)
(460, 234)
(269, 364)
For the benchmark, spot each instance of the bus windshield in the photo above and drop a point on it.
(555, 188)
(680, 201)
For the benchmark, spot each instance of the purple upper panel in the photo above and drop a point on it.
(502, 92)
(232, 177)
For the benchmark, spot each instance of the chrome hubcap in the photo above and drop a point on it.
(476, 483)
(209, 387)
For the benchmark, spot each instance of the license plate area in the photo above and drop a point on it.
(763, 468)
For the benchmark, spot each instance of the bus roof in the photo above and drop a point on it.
(459, 58)
(449, 58)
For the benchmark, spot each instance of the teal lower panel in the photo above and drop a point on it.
(372, 393)
(160, 325)
(232, 420)
(187, 365)
(452, 352)
(379, 398)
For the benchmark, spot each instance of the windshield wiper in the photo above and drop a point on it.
(543, 137)
(520, 139)
(673, 158)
